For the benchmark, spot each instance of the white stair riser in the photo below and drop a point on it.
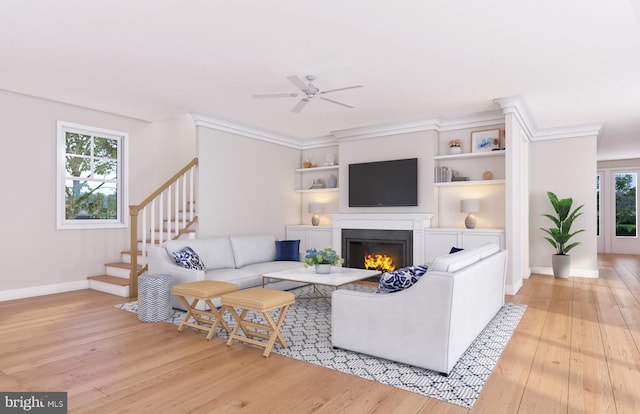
(117, 290)
(126, 258)
(117, 272)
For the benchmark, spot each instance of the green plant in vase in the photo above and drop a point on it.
(560, 235)
(322, 259)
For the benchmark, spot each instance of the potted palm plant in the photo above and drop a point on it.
(560, 235)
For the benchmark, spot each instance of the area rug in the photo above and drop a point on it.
(307, 329)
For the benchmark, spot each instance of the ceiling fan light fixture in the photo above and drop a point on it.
(310, 90)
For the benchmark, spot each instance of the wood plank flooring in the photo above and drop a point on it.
(576, 350)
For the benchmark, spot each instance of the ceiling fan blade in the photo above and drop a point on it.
(275, 95)
(342, 89)
(300, 105)
(299, 83)
(336, 102)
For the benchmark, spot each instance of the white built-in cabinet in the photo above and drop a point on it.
(310, 236)
(439, 241)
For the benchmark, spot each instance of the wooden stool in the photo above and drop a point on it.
(205, 290)
(260, 300)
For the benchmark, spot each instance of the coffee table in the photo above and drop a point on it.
(339, 276)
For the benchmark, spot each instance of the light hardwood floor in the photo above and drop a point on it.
(576, 350)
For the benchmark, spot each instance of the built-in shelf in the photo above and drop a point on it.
(316, 190)
(323, 168)
(306, 180)
(463, 183)
(470, 155)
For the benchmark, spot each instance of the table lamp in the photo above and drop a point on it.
(470, 206)
(315, 209)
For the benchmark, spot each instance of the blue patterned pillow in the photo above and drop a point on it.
(189, 259)
(400, 279)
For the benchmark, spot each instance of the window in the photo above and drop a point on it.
(626, 205)
(598, 205)
(91, 177)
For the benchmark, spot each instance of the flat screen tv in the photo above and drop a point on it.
(384, 183)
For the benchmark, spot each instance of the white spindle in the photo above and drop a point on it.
(152, 221)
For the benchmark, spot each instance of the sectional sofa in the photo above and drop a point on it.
(237, 259)
(431, 323)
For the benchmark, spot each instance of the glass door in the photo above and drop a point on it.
(623, 228)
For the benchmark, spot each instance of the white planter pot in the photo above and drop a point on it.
(455, 150)
(561, 264)
(323, 268)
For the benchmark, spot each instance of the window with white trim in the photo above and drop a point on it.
(92, 168)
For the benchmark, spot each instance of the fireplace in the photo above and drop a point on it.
(383, 250)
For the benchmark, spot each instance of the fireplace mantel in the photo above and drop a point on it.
(415, 222)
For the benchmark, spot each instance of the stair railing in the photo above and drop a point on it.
(166, 214)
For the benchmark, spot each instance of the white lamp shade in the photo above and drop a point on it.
(315, 208)
(469, 206)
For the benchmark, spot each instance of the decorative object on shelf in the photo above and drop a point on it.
(455, 147)
(332, 182)
(482, 141)
(470, 206)
(487, 175)
(330, 159)
(442, 174)
(317, 184)
(561, 233)
(317, 258)
(314, 210)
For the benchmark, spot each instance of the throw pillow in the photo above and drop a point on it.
(400, 279)
(188, 258)
(288, 250)
(455, 249)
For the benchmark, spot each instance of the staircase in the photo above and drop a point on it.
(167, 214)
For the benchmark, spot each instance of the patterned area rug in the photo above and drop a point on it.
(307, 329)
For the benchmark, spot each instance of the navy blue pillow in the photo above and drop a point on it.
(288, 250)
(455, 249)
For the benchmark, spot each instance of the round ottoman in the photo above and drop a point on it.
(154, 298)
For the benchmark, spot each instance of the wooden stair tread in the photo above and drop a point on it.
(114, 280)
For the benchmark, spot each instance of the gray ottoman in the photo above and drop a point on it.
(154, 298)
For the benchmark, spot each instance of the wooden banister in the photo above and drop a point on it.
(162, 215)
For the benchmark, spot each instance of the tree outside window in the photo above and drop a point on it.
(626, 205)
(91, 186)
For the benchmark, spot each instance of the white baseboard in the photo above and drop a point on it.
(513, 289)
(30, 292)
(590, 273)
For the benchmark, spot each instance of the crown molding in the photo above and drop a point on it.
(516, 105)
(202, 119)
(434, 124)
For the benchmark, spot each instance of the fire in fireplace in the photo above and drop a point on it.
(383, 250)
(380, 262)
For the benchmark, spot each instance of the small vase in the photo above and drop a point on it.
(332, 182)
(323, 269)
(455, 150)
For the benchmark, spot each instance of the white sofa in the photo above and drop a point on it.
(433, 322)
(236, 259)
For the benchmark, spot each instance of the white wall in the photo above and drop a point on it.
(34, 252)
(566, 167)
(246, 186)
(419, 145)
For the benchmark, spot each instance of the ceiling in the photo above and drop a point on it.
(573, 62)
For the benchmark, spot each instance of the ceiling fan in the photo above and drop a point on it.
(310, 91)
